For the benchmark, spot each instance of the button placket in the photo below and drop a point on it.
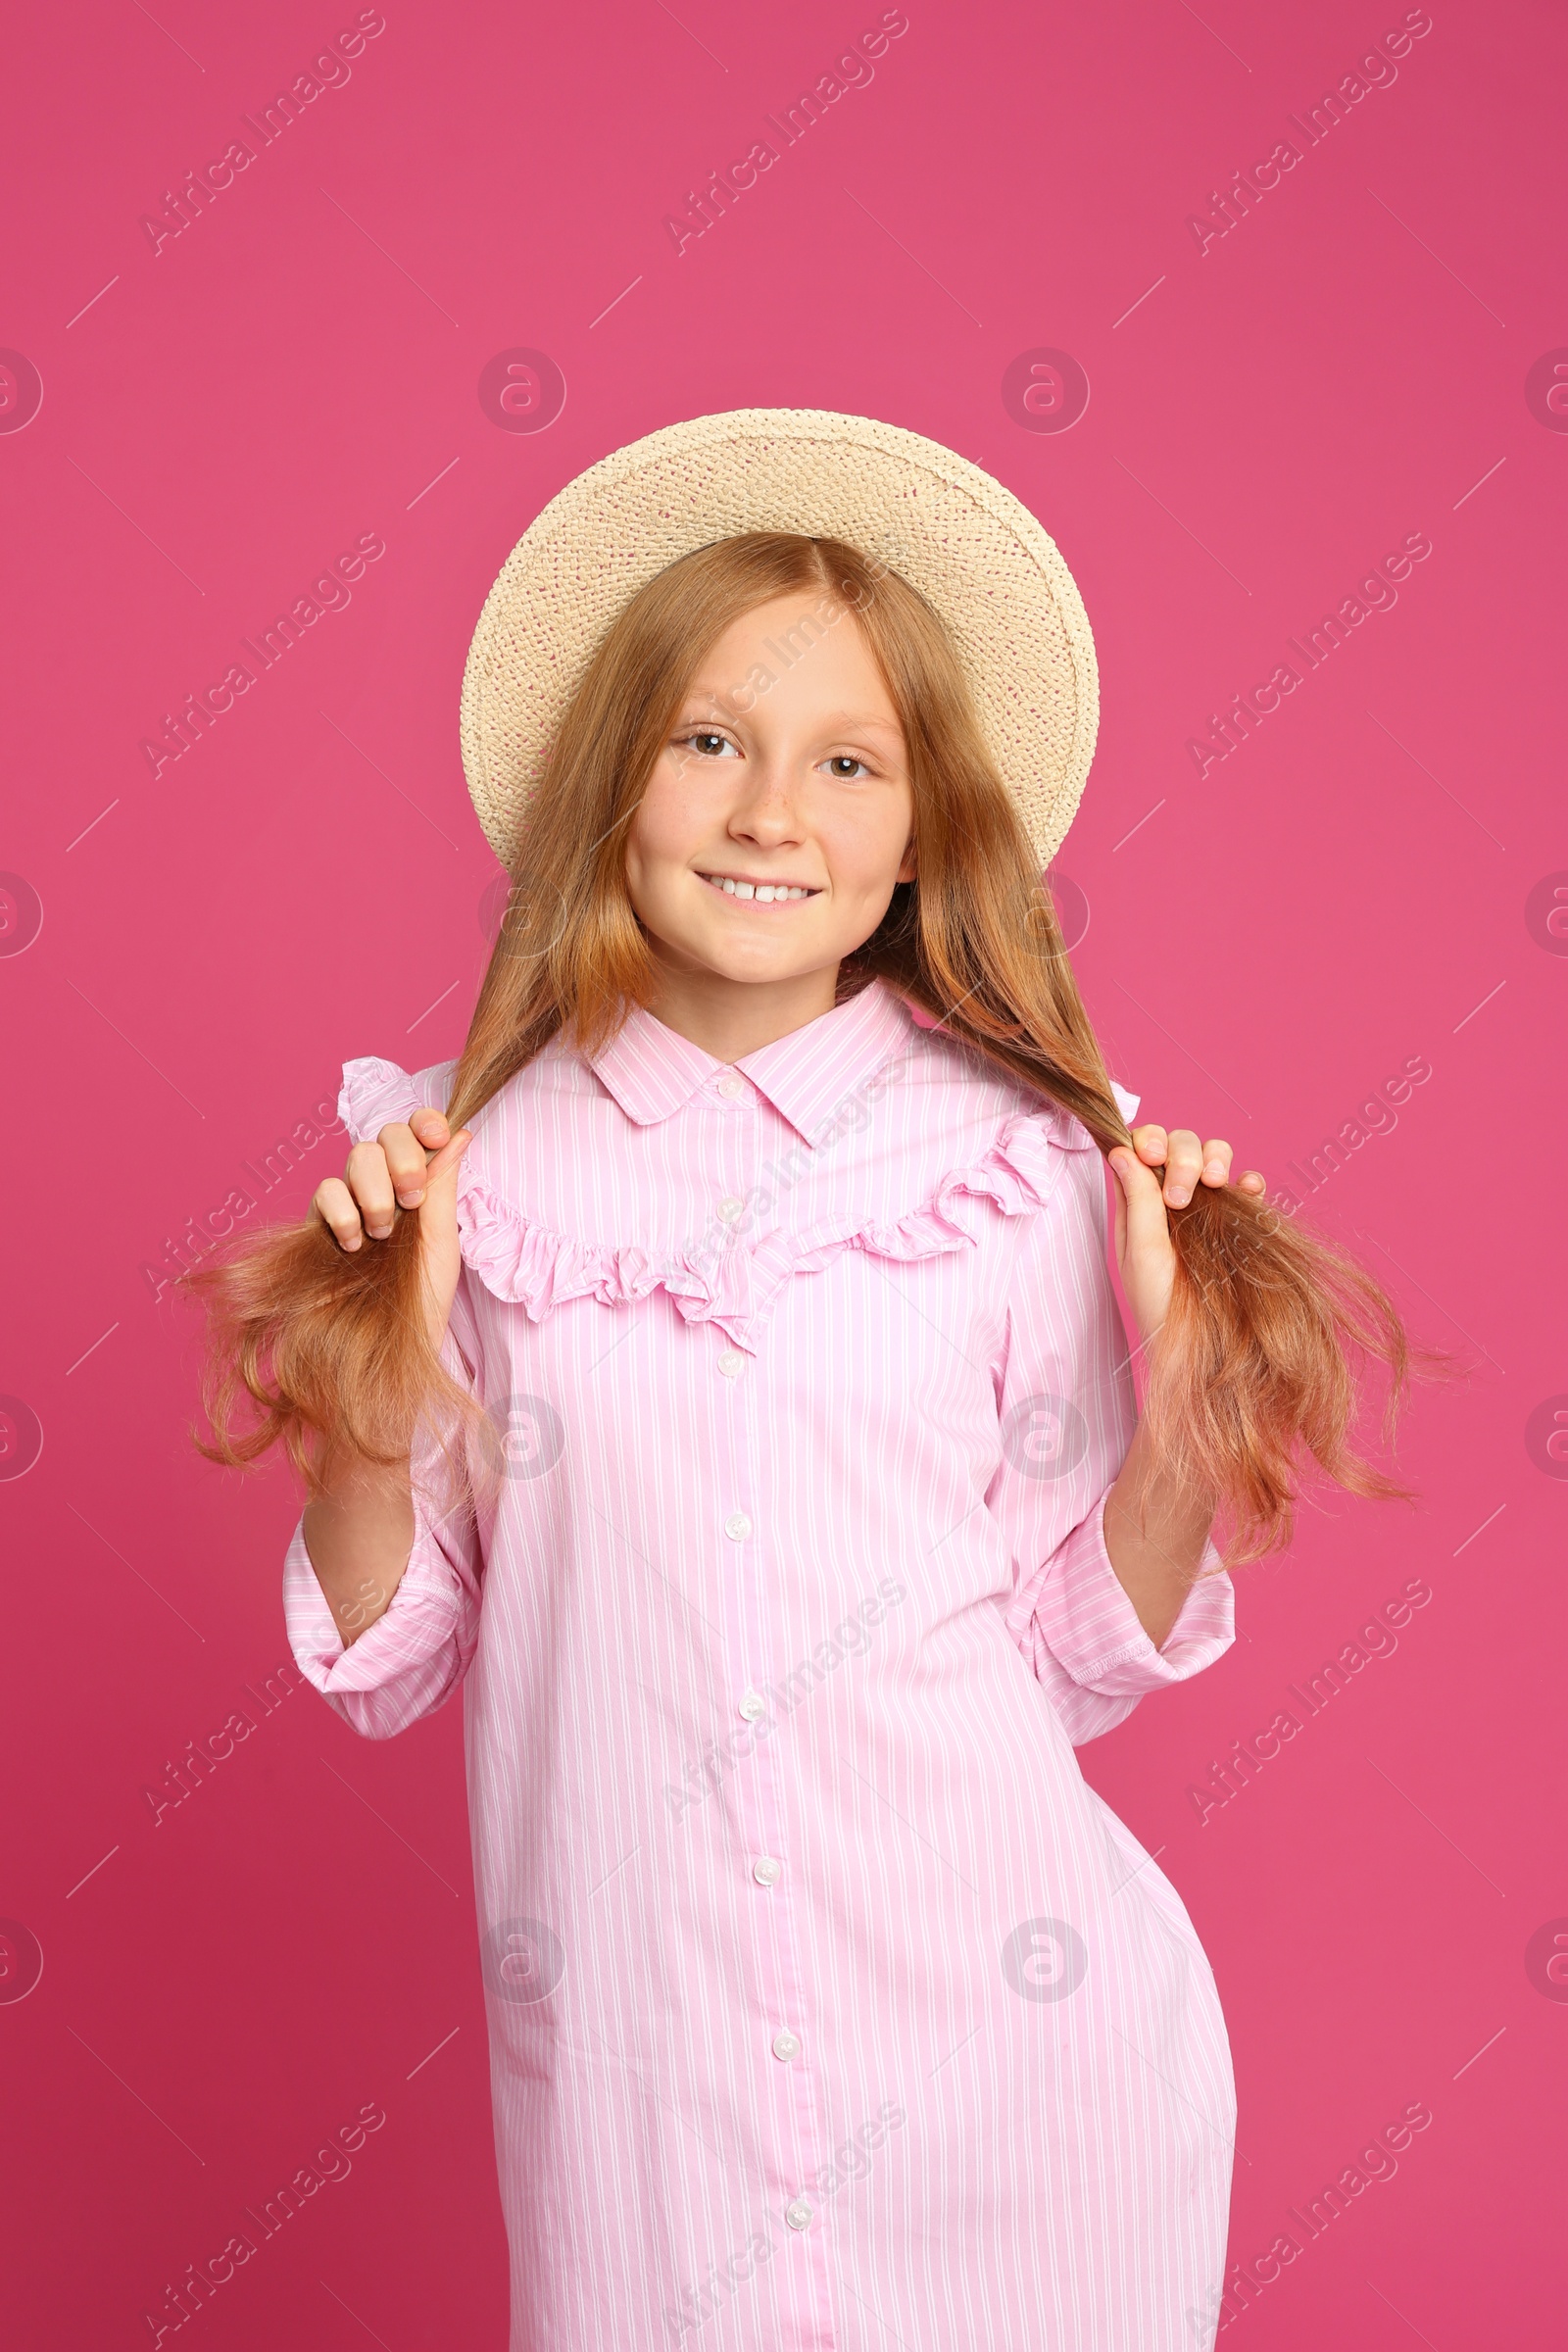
(762, 1827)
(736, 1154)
(781, 1996)
(733, 1148)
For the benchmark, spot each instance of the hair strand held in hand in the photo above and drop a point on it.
(323, 1351)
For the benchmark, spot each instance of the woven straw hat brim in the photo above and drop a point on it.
(973, 551)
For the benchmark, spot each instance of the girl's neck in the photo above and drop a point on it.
(731, 1018)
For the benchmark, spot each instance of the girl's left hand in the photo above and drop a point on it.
(1144, 1253)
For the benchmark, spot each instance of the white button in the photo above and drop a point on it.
(732, 1364)
(766, 1872)
(786, 2044)
(752, 1705)
(798, 2214)
(732, 1088)
(730, 1210)
(737, 1527)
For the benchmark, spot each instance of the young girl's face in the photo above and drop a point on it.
(779, 815)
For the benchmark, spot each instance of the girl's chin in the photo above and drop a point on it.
(755, 960)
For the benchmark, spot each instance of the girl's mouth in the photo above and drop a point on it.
(759, 894)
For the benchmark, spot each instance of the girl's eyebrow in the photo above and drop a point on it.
(717, 702)
(837, 722)
(861, 722)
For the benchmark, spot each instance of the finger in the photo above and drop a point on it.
(335, 1204)
(411, 1172)
(370, 1180)
(439, 1216)
(443, 1168)
(430, 1127)
(1250, 1182)
(1183, 1159)
(1147, 1223)
(406, 1160)
(1217, 1156)
(1148, 1142)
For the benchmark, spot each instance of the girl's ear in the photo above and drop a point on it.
(907, 871)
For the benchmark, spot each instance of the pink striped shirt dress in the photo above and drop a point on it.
(830, 2009)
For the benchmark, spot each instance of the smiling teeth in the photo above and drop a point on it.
(764, 893)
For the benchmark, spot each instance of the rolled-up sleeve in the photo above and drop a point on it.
(412, 1659)
(1087, 1645)
(1068, 1414)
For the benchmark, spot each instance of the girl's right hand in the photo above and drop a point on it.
(413, 1163)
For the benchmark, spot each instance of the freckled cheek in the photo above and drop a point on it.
(665, 832)
(685, 800)
(861, 862)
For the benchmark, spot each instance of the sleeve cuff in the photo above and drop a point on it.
(1092, 1629)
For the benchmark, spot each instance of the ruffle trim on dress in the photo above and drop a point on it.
(735, 1283)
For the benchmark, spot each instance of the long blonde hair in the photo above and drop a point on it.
(1255, 1374)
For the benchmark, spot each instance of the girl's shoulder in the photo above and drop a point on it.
(966, 1095)
(376, 1092)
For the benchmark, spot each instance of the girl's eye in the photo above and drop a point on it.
(843, 766)
(707, 744)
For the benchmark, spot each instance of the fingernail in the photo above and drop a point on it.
(1213, 1167)
(378, 1233)
(1179, 1197)
(411, 1200)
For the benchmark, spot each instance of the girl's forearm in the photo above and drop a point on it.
(1155, 1532)
(359, 1535)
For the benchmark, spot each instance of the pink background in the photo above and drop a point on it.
(1350, 890)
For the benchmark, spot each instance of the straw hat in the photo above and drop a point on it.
(971, 549)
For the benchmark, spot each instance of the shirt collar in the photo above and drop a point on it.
(808, 1076)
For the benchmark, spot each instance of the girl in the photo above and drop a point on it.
(719, 1366)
